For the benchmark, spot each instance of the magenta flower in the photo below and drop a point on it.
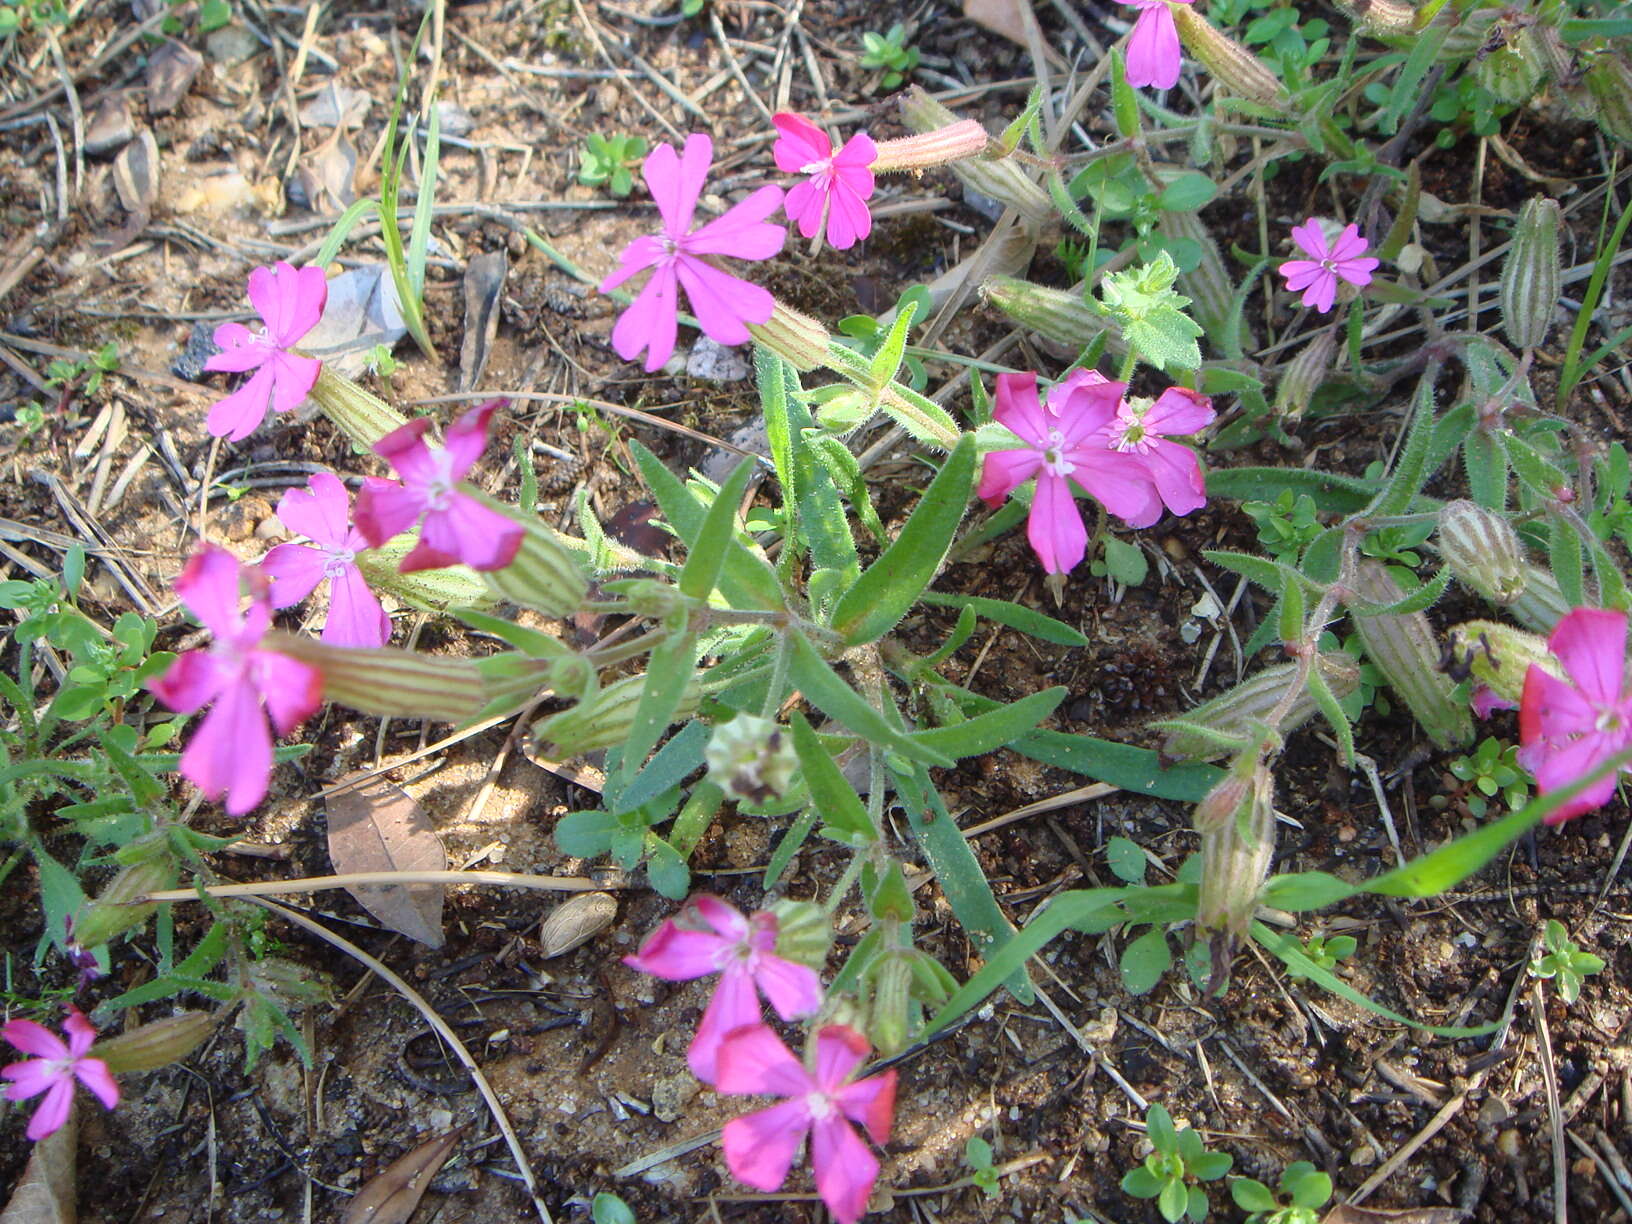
(1142, 428)
(1316, 277)
(839, 185)
(722, 303)
(760, 1147)
(1067, 447)
(54, 1068)
(322, 513)
(712, 936)
(1568, 730)
(290, 301)
(1153, 47)
(453, 526)
(231, 752)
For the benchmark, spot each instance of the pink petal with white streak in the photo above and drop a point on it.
(760, 1147)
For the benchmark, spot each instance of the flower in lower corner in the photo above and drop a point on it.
(230, 753)
(712, 936)
(1153, 47)
(1340, 259)
(54, 1067)
(322, 513)
(1066, 447)
(760, 1147)
(290, 301)
(723, 304)
(836, 192)
(1568, 728)
(454, 526)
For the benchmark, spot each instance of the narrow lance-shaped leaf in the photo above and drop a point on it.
(833, 696)
(843, 814)
(1411, 469)
(994, 729)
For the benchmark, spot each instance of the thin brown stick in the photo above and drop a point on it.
(353, 879)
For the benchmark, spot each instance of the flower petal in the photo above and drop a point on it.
(32, 1038)
(294, 570)
(742, 231)
(81, 1036)
(240, 414)
(209, 587)
(355, 615)
(1055, 526)
(855, 159)
(53, 1111)
(723, 918)
(760, 1147)
(466, 438)
(650, 321)
(1019, 410)
(870, 1103)
(735, 1003)
(677, 955)
(1311, 239)
(754, 1061)
(849, 220)
(1591, 644)
(1322, 292)
(1550, 713)
(1122, 483)
(321, 511)
(231, 752)
(406, 450)
(1357, 271)
(385, 509)
(799, 142)
(466, 531)
(293, 690)
(844, 1166)
(722, 303)
(1568, 763)
(1179, 410)
(1153, 49)
(94, 1074)
(293, 378)
(1348, 245)
(794, 990)
(1301, 273)
(642, 253)
(1177, 473)
(241, 349)
(839, 1051)
(30, 1078)
(289, 299)
(676, 180)
(190, 683)
(806, 206)
(1003, 471)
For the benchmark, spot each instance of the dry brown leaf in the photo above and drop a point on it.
(45, 1195)
(484, 289)
(1343, 1213)
(392, 1196)
(377, 826)
(170, 73)
(1005, 17)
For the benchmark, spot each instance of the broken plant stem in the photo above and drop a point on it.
(311, 884)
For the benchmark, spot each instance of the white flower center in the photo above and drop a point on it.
(338, 560)
(820, 1105)
(1129, 435)
(1054, 455)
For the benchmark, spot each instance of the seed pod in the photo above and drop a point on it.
(1304, 374)
(545, 575)
(889, 1016)
(1469, 33)
(155, 1045)
(602, 719)
(1381, 18)
(574, 922)
(1403, 646)
(1241, 73)
(1514, 70)
(1238, 714)
(1541, 605)
(804, 932)
(1481, 550)
(1208, 284)
(113, 911)
(1053, 314)
(939, 146)
(1498, 656)
(431, 590)
(389, 682)
(1531, 275)
(362, 417)
(1003, 180)
(1235, 858)
(1609, 82)
(796, 338)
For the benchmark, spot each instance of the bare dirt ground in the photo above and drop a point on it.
(587, 1056)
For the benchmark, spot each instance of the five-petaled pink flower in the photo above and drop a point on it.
(322, 513)
(1086, 438)
(1153, 47)
(290, 301)
(711, 936)
(54, 1068)
(1143, 427)
(723, 304)
(231, 752)
(1566, 731)
(760, 1147)
(1316, 277)
(839, 184)
(453, 526)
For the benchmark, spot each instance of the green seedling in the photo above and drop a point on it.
(1179, 1160)
(610, 162)
(1564, 963)
(1491, 771)
(889, 52)
(1305, 1188)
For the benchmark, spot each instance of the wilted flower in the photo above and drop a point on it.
(322, 513)
(1153, 48)
(760, 1147)
(839, 185)
(54, 1068)
(1316, 277)
(231, 752)
(290, 301)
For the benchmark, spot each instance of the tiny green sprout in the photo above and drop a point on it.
(1397, 545)
(1179, 1158)
(977, 1154)
(690, 8)
(100, 364)
(890, 52)
(608, 1208)
(1491, 771)
(1307, 1188)
(1327, 950)
(381, 363)
(1565, 963)
(610, 162)
(30, 417)
(1286, 526)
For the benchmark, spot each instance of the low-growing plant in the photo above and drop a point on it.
(1564, 963)
(1168, 1174)
(888, 51)
(1304, 1188)
(607, 161)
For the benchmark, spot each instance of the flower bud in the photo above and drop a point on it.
(1481, 550)
(1381, 18)
(114, 912)
(1231, 720)
(1222, 805)
(937, 147)
(1609, 82)
(845, 410)
(155, 1045)
(1055, 314)
(429, 590)
(751, 758)
(1235, 858)
(389, 682)
(1531, 275)
(803, 932)
(1003, 180)
(1497, 656)
(362, 417)
(796, 338)
(1304, 375)
(602, 719)
(1403, 646)
(1240, 73)
(889, 1017)
(545, 575)
(1513, 71)
(1541, 605)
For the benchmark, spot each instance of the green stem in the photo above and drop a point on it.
(695, 817)
(779, 676)
(852, 872)
(616, 653)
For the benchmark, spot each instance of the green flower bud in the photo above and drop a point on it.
(1238, 71)
(432, 590)
(937, 147)
(362, 417)
(803, 932)
(796, 338)
(1481, 550)
(889, 1017)
(602, 719)
(1531, 276)
(1609, 82)
(113, 912)
(1405, 650)
(545, 575)
(1514, 70)
(1541, 605)
(1498, 656)
(1381, 18)
(1003, 180)
(751, 758)
(1235, 859)
(389, 682)
(1304, 375)
(1053, 314)
(155, 1045)
(1233, 719)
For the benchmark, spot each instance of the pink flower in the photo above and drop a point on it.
(290, 301)
(723, 303)
(1317, 276)
(54, 1068)
(1153, 48)
(1485, 701)
(322, 513)
(1067, 447)
(1568, 730)
(453, 526)
(1142, 428)
(839, 184)
(760, 1147)
(711, 936)
(231, 752)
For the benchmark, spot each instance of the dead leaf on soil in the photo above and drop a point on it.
(392, 1196)
(484, 290)
(136, 175)
(1343, 1213)
(170, 73)
(325, 177)
(362, 311)
(45, 1195)
(1010, 19)
(376, 826)
(336, 106)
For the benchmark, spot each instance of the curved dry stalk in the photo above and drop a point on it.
(311, 884)
(443, 1030)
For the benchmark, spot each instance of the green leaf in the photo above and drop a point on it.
(1306, 890)
(1418, 600)
(670, 670)
(1252, 1195)
(1124, 102)
(1125, 562)
(1159, 1129)
(1145, 960)
(1564, 558)
(61, 897)
(887, 360)
(994, 729)
(716, 535)
(1331, 492)
(665, 869)
(1126, 860)
(610, 1209)
(419, 237)
(843, 814)
(1015, 616)
(833, 696)
(665, 771)
(1141, 1183)
(1210, 1166)
(791, 841)
(890, 586)
(586, 834)
(1411, 469)
(1189, 192)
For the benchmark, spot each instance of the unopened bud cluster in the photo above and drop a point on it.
(751, 758)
